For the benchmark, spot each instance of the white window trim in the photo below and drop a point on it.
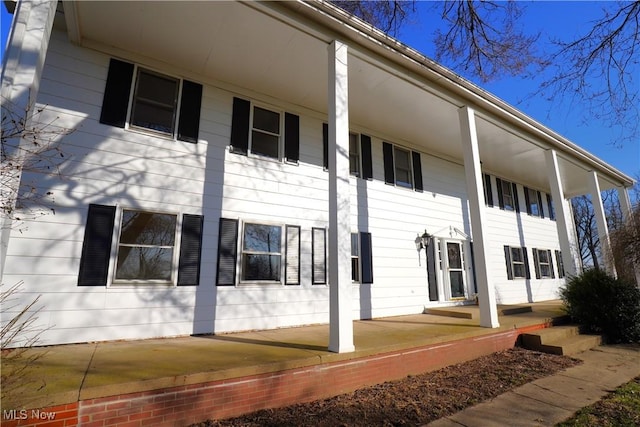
(523, 263)
(176, 117)
(115, 243)
(412, 185)
(239, 251)
(281, 124)
(549, 264)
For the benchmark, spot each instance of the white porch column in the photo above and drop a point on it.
(340, 315)
(473, 173)
(627, 215)
(601, 222)
(564, 219)
(21, 70)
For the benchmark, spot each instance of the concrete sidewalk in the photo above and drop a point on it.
(553, 399)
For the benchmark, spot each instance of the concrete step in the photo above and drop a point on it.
(534, 340)
(473, 311)
(563, 340)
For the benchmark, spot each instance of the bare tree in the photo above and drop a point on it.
(599, 69)
(483, 39)
(586, 231)
(29, 144)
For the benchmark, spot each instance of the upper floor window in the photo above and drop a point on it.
(402, 167)
(262, 131)
(354, 154)
(265, 133)
(533, 199)
(507, 195)
(162, 104)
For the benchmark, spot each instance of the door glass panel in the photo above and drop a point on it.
(453, 251)
(457, 284)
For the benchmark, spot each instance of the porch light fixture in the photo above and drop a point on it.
(424, 239)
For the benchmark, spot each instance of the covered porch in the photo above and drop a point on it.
(189, 379)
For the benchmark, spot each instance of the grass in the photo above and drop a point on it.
(619, 408)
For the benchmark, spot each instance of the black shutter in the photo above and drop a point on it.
(190, 104)
(431, 270)
(473, 268)
(553, 274)
(514, 190)
(527, 201)
(560, 264)
(507, 258)
(366, 257)
(240, 126)
(417, 171)
(318, 256)
(500, 194)
(190, 250)
(540, 208)
(536, 262)
(526, 262)
(96, 247)
(367, 162)
(291, 137)
(488, 190)
(387, 154)
(116, 93)
(292, 255)
(227, 249)
(325, 145)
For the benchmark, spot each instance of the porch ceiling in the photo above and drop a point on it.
(245, 45)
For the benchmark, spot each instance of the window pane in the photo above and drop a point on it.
(534, 207)
(518, 270)
(144, 228)
(355, 273)
(262, 238)
(453, 252)
(516, 255)
(543, 257)
(354, 155)
(143, 263)
(266, 120)
(507, 196)
(354, 244)
(154, 103)
(402, 167)
(264, 144)
(545, 270)
(457, 284)
(261, 267)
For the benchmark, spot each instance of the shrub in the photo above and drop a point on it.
(603, 304)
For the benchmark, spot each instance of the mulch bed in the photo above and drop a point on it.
(415, 400)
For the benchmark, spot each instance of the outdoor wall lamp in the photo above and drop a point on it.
(422, 242)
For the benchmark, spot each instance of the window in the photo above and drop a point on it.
(152, 248)
(507, 195)
(319, 256)
(355, 258)
(261, 252)
(533, 200)
(146, 246)
(543, 264)
(154, 102)
(488, 190)
(265, 133)
(552, 211)
(517, 262)
(402, 167)
(354, 154)
(162, 104)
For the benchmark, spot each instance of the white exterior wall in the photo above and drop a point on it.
(112, 166)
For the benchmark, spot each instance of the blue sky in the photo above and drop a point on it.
(563, 19)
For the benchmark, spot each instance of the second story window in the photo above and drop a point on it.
(507, 195)
(265, 133)
(354, 154)
(155, 102)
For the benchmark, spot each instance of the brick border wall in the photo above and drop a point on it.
(184, 405)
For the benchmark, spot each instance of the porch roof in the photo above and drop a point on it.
(278, 50)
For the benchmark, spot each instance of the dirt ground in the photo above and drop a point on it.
(415, 400)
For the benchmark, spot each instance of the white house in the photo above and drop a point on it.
(249, 165)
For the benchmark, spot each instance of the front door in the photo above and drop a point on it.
(455, 270)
